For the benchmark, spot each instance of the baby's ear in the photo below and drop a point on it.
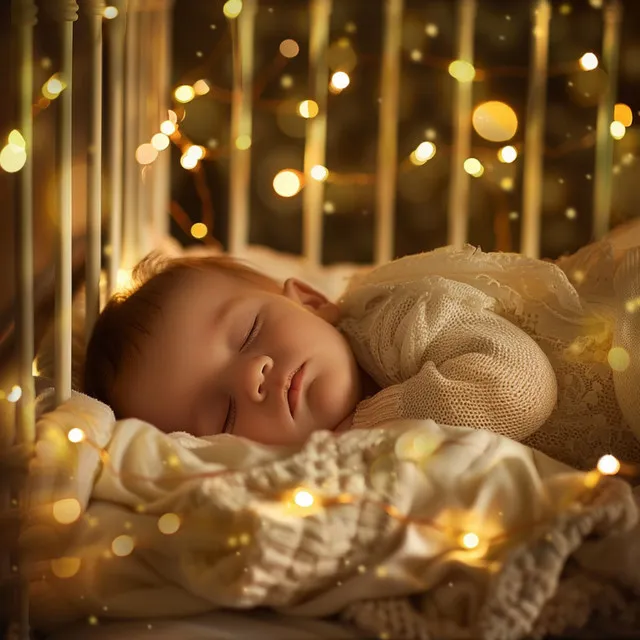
(307, 296)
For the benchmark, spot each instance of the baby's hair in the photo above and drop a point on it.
(130, 314)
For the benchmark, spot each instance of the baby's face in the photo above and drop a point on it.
(227, 356)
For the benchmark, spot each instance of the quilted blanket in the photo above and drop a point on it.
(414, 530)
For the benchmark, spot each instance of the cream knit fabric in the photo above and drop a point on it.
(499, 342)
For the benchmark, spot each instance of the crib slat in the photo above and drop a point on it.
(131, 129)
(387, 163)
(66, 14)
(242, 30)
(115, 51)
(534, 132)
(95, 9)
(24, 17)
(316, 134)
(602, 187)
(458, 211)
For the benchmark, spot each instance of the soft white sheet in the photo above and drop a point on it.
(391, 504)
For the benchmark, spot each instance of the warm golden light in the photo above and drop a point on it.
(287, 183)
(432, 30)
(462, 71)
(146, 153)
(473, 167)
(571, 213)
(425, 151)
(196, 151)
(169, 523)
(201, 87)
(319, 173)
(303, 498)
(589, 61)
(122, 546)
(506, 184)
(167, 127)
(232, 8)
(243, 142)
(340, 80)
(160, 141)
(15, 138)
(199, 230)
(12, 158)
(15, 394)
(110, 12)
(76, 435)
(65, 567)
(188, 161)
(184, 93)
(289, 48)
(619, 359)
(507, 154)
(622, 113)
(617, 130)
(286, 81)
(67, 510)
(495, 121)
(608, 465)
(469, 540)
(308, 109)
(53, 87)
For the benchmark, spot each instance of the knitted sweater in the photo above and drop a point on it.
(499, 342)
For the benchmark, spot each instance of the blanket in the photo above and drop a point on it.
(413, 530)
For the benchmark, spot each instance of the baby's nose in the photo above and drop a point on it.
(256, 377)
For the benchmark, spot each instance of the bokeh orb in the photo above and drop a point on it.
(495, 121)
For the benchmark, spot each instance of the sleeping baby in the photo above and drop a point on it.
(486, 340)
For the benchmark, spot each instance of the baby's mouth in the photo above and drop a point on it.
(294, 390)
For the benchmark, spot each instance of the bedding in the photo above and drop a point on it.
(414, 530)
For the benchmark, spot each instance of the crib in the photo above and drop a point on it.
(121, 184)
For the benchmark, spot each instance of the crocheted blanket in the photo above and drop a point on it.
(413, 530)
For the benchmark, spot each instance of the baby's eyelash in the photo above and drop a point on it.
(252, 333)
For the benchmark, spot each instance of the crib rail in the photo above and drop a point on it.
(136, 212)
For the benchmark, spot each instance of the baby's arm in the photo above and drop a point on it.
(440, 351)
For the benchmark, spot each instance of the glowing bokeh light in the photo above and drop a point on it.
(65, 567)
(622, 113)
(76, 435)
(608, 465)
(195, 151)
(469, 540)
(308, 109)
(67, 510)
(617, 130)
(473, 167)
(243, 142)
(160, 141)
(199, 230)
(184, 93)
(340, 80)
(232, 8)
(462, 71)
(53, 87)
(571, 213)
(319, 173)
(122, 546)
(12, 158)
(289, 48)
(15, 138)
(146, 153)
(287, 183)
(495, 121)
(110, 12)
(15, 394)
(432, 30)
(188, 161)
(618, 359)
(425, 151)
(303, 498)
(167, 127)
(201, 87)
(169, 523)
(507, 154)
(589, 61)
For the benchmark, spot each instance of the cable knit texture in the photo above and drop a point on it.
(380, 546)
(500, 342)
